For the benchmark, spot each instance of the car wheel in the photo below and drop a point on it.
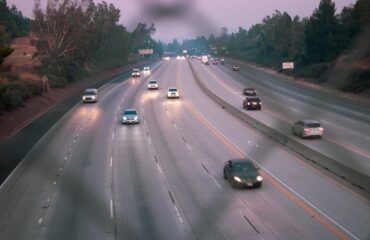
(225, 177)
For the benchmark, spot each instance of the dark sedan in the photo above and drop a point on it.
(242, 173)
(249, 92)
(236, 68)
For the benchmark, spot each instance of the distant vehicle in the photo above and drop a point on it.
(152, 84)
(146, 68)
(172, 93)
(166, 58)
(222, 61)
(252, 103)
(90, 95)
(215, 62)
(135, 72)
(236, 68)
(130, 115)
(242, 173)
(307, 128)
(249, 92)
(205, 60)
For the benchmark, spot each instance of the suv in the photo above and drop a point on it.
(135, 72)
(249, 92)
(252, 103)
(90, 95)
(307, 128)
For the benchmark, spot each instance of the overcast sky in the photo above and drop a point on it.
(197, 17)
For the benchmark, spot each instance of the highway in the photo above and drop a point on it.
(90, 177)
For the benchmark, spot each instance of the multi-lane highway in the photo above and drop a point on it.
(90, 177)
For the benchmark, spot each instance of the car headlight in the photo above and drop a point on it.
(135, 118)
(125, 118)
(237, 179)
(83, 98)
(259, 178)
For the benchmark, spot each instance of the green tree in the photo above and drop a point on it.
(321, 34)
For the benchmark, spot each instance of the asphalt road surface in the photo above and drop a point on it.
(90, 177)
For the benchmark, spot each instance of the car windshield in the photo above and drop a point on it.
(312, 125)
(244, 167)
(253, 100)
(172, 90)
(89, 93)
(152, 82)
(130, 112)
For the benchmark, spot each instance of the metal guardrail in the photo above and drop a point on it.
(325, 163)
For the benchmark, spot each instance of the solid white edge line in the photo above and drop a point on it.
(111, 161)
(178, 214)
(40, 220)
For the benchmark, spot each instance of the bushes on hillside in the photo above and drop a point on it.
(358, 81)
(13, 94)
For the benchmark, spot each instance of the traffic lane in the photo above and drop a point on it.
(223, 206)
(297, 107)
(347, 107)
(319, 190)
(38, 173)
(344, 153)
(142, 203)
(24, 198)
(81, 202)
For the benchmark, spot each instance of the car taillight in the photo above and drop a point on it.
(307, 129)
(321, 129)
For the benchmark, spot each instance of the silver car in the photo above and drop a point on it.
(90, 95)
(130, 115)
(307, 128)
(152, 84)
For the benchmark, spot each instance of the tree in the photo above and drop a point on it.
(321, 34)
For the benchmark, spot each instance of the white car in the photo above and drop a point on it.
(130, 115)
(90, 95)
(135, 72)
(146, 68)
(152, 84)
(172, 93)
(307, 128)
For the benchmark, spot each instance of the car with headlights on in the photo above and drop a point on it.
(308, 128)
(135, 72)
(90, 95)
(249, 92)
(236, 68)
(252, 102)
(130, 115)
(146, 68)
(222, 61)
(172, 93)
(152, 84)
(242, 173)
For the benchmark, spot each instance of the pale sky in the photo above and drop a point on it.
(200, 17)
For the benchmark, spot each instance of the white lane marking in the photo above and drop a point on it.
(40, 220)
(111, 161)
(279, 180)
(74, 141)
(175, 126)
(111, 209)
(65, 158)
(54, 183)
(159, 168)
(113, 136)
(214, 179)
(189, 147)
(178, 214)
(168, 114)
(49, 199)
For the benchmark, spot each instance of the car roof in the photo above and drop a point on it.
(172, 88)
(242, 161)
(249, 88)
(310, 121)
(91, 89)
(153, 80)
(130, 109)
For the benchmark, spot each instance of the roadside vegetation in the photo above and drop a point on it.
(326, 46)
(74, 39)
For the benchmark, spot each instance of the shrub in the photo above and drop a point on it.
(11, 99)
(359, 81)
